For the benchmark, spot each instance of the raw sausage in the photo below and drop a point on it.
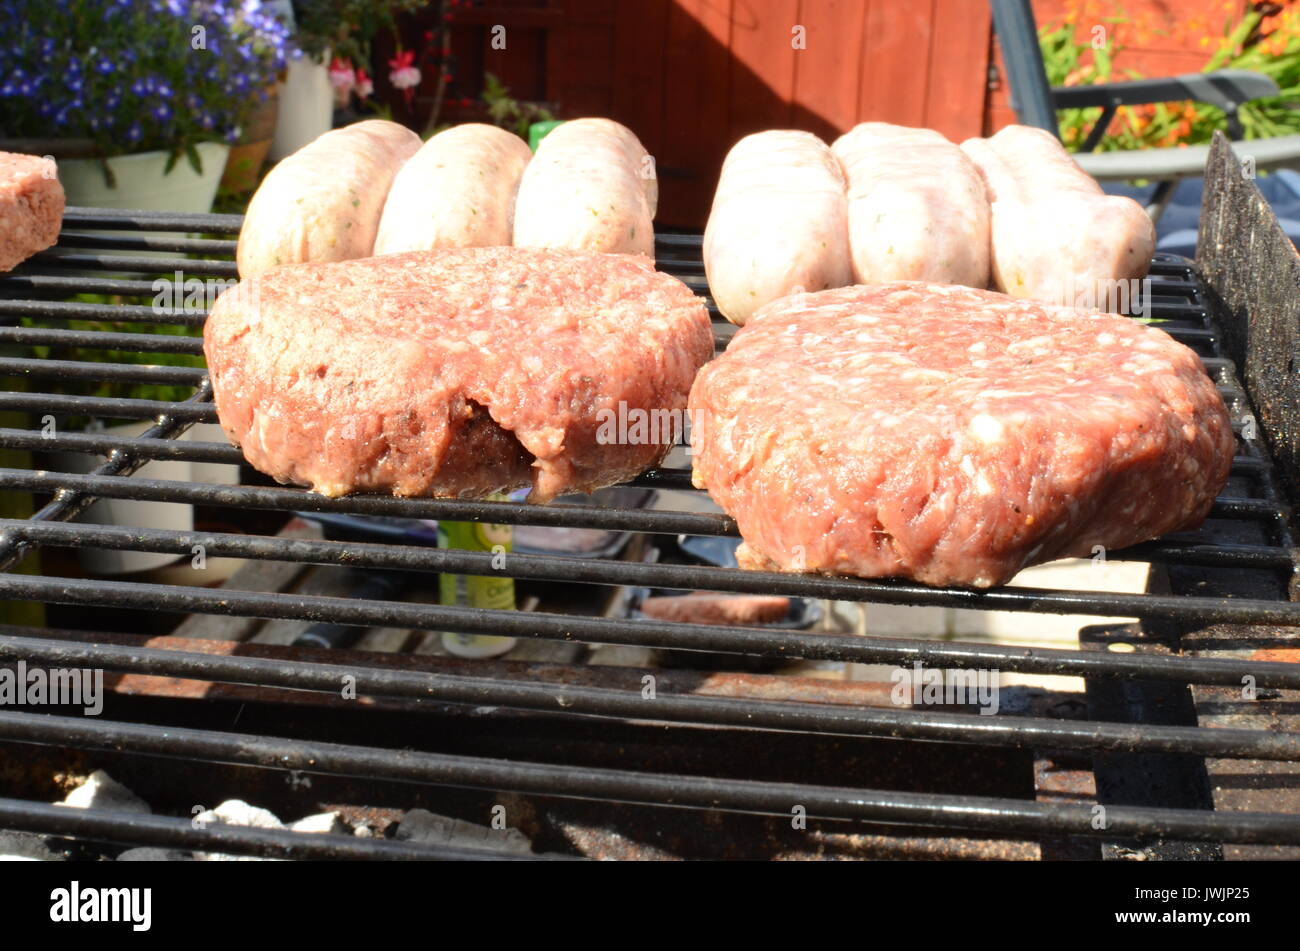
(779, 222)
(457, 192)
(917, 208)
(323, 202)
(1055, 235)
(591, 186)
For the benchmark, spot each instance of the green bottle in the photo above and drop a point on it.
(476, 591)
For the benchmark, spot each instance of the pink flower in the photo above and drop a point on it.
(342, 78)
(365, 86)
(404, 76)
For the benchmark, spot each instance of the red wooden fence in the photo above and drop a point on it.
(690, 77)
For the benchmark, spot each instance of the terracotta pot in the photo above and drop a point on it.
(248, 155)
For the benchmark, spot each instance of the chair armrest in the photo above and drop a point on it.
(1226, 88)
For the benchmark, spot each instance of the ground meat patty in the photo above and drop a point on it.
(31, 207)
(952, 435)
(454, 372)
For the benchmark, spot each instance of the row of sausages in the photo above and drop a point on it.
(887, 202)
(373, 188)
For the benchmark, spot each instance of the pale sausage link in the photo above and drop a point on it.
(779, 223)
(323, 202)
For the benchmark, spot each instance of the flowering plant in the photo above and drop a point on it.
(1259, 36)
(403, 74)
(345, 26)
(136, 75)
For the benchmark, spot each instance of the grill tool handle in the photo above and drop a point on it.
(373, 585)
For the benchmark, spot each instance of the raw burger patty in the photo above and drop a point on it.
(31, 207)
(454, 372)
(952, 435)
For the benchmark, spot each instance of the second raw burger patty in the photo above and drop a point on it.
(952, 435)
(456, 372)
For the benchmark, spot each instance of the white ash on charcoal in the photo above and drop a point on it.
(236, 812)
(102, 791)
(325, 822)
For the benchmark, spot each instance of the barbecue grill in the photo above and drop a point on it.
(1184, 735)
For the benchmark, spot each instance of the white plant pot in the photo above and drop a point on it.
(140, 182)
(306, 106)
(170, 515)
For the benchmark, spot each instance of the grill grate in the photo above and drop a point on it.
(1248, 537)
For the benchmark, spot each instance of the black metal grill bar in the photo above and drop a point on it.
(115, 406)
(118, 372)
(67, 286)
(282, 499)
(188, 450)
(191, 267)
(137, 408)
(68, 503)
(223, 452)
(986, 813)
(165, 832)
(101, 443)
(138, 313)
(140, 343)
(524, 566)
(1004, 731)
(662, 634)
(1184, 549)
(113, 218)
(147, 242)
(278, 498)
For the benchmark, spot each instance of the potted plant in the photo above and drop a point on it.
(326, 33)
(138, 101)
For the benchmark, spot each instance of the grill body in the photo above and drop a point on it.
(712, 763)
